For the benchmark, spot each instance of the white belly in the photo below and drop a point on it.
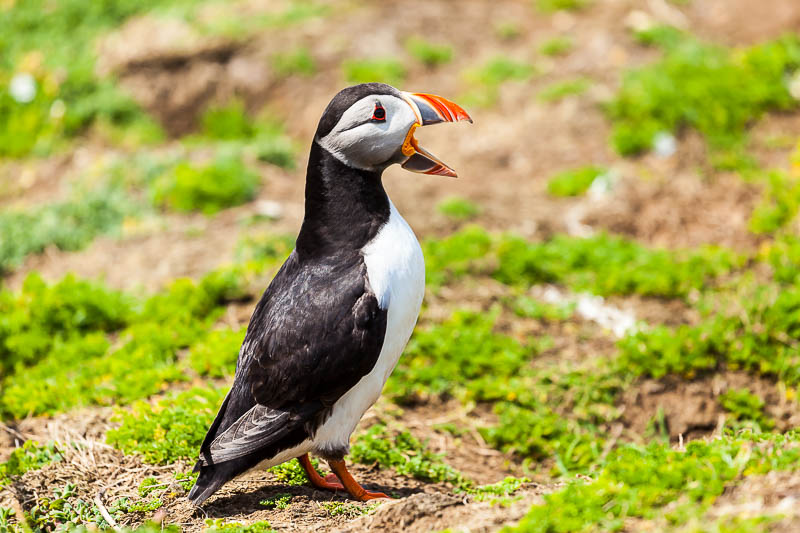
(396, 272)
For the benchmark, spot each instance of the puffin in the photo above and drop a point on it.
(331, 326)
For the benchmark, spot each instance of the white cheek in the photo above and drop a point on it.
(373, 143)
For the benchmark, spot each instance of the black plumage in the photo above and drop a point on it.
(318, 328)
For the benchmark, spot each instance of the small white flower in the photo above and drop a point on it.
(22, 87)
(664, 144)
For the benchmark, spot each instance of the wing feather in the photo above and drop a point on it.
(317, 330)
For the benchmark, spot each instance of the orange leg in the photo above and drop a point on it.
(317, 480)
(356, 491)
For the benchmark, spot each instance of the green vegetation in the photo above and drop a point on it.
(67, 225)
(574, 182)
(226, 182)
(49, 62)
(606, 265)
(507, 30)
(485, 81)
(466, 359)
(458, 208)
(652, 481)
(717, 91)
(265, 136)
(296, 62)
(560, 90)
(428, 53)
(498, 491)
(527, 307)
(750, 335)
(292, 473)
(216, 355)
(279, 501)
(29, 456)
(743, 405)
(81, 366)
(549, 6)
(239, 24)
(40, 317)
(779, 205)
(235, 527)
(405, 454)
(601, 264)
(227, 122)
(460, 358)
(557, 46)
(349, 510)
(168, 431)
(783, 255)
(384, 70)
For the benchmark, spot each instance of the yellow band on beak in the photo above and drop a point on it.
(408, 147)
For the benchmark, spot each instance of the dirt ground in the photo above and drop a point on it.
(504, 160)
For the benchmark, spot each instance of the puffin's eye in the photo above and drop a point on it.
(379, 114)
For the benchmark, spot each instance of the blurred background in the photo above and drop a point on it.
(124, 119)
(616, 264)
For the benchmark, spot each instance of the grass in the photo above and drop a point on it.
(279, 501)
(507, 30)
(67, 225)
(428, 53)
(108, 347)
(29, 456)
(744, 406)
(465, 358)
(168, 431)
(749, 333)
(557, 46)
(779, 204)
(297, 62)
(79, 365)
(385, 70)
(574, 182)
(550, 6)
(405, 454)
(601, 264)
(56, 54)
(225, 182)
(485, 81)
(216, 525)
(560, 90)
(717, 91)
(646, 482)
(457, 208)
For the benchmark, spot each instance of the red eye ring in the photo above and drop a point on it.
(379, 114)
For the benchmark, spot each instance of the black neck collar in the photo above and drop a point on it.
(345, 207)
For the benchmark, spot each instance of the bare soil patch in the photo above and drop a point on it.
(424, 512)
(690, 409)
(743, 22)
(680, 211)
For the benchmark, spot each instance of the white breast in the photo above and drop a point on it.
(396, 272)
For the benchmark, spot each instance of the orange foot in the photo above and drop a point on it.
(351, 485)
(330, 482)
(339, 480)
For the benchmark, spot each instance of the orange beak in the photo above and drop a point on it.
(429, 109)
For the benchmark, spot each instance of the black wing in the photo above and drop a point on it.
(317, 330)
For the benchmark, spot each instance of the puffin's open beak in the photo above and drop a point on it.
(429, 109)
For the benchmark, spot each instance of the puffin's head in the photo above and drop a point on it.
(371, 126)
